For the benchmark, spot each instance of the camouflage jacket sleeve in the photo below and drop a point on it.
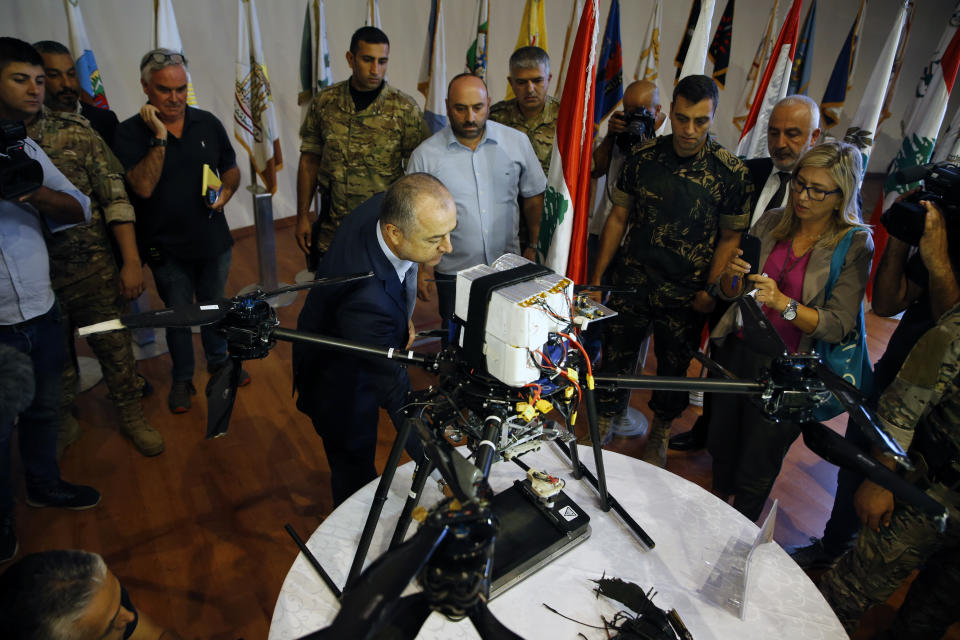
(108, 186)
(415, 131)
(735, 211)
(311, 131)
(929, 372)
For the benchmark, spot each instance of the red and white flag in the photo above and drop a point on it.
(773, 87)
(566, 203)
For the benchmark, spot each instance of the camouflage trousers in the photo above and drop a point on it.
(880, 562)
(96, 298)
(676, 332)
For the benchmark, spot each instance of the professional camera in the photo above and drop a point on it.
(640, 126)
(19, 173)
(905, 219)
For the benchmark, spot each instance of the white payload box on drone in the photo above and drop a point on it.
(519, 317)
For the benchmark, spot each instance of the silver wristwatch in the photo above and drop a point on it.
(790, 312)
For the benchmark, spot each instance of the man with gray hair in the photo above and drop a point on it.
(793, 128)
(182, 235)
(532, 111)
(70, 595)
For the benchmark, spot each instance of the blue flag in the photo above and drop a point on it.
(803, 62)
(836, 93)
(609, 90)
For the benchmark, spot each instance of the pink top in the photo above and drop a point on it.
(788, 270)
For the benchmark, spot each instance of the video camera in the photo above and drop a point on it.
(19, 173)
(905, 219)
(640, 125)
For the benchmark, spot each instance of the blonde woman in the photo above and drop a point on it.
(798, 244)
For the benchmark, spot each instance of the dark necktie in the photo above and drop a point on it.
(409, 286)
(782, 189)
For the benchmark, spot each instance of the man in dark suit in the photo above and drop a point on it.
(389, 234)
(63, 90)
(793, 128)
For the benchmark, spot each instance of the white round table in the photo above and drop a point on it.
(691, 528)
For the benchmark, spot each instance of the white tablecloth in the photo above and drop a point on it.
(690, 526)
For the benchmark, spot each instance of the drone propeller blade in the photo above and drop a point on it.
(181, 315)
(369, 603)
(317, 283)
(833, 448)
(868, 423)
(460, 474)
(763, 337)
(714, 367)
(221, 395)
(489, 627)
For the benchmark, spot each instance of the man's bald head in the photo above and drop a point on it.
(643, 93)
(416, 218)
(468, 106)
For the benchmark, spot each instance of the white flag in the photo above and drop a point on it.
(254, 114)
(167, 36)
(88, 73)
(315, 72)
(948, 143)
(863, 127)
(373, 14)
(648, 64)
(696, 57)
(952, 22)
(433, 70)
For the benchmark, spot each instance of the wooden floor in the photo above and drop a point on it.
(196, 534)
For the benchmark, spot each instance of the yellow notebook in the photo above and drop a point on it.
(211, 185)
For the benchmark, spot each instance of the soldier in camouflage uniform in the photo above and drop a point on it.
(84, 273)
(921, 410)
(686, 199)
(356, 137)
(532, 111)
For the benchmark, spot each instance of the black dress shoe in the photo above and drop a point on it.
(692, 440)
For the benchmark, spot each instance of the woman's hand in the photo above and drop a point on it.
(768, 293)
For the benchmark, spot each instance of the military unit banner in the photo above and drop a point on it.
(842, 77)
(88, 73)
(433, 70)
(167, 35)
(609, 91)
(719, 51)
(477, 53)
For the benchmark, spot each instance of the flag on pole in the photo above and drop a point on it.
(477, 53)
(719, 51)
(863, 127)
(88, 73)
(315, 71)
(696, 54)
(533, 30)
(648, 64)
(948, 142)
(433, 70)
(803, 61)
(681, 56)
(373, 14)
(952, 22)
(773, 87)
(759, 63)
(609, 91)
(575, 14)
(917, 146)
(897, 63)
(254, 115)
(566, 203)
(841, 80)
(167, 35)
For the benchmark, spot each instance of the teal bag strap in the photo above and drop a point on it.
(836, 262)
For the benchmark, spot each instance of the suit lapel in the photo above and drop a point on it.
(382, 268)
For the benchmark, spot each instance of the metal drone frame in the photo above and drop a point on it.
(484, 411)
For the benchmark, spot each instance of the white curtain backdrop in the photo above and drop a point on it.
(121, 31)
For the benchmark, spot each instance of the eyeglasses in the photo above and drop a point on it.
(814, 193)
(159, 57)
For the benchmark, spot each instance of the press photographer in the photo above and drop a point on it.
(29, 320)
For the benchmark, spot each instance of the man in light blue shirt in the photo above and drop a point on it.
(492, 172)
(29, 320)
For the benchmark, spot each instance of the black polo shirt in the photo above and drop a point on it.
(174, 220)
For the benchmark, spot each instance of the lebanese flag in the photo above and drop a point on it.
(773, 87)
(920, 136)
(566, 203)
